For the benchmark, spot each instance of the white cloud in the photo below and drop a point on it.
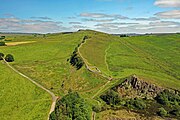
(98, 20)
(167, 3)
(43, 18)
(102, 15)
(28, 25)
(152, 27)
(75, 23)
(146, 19)
(173, 14)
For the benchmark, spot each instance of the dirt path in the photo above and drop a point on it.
(93, 117)
(100, 90)
(54, 98)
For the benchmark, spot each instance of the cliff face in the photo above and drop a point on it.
(134, 87)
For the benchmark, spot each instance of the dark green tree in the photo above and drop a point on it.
(71, 107)
(111, 97)
(2, 43)
(9, 58)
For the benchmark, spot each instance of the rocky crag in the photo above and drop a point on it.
(136, 88)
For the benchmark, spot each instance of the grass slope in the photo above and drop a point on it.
(20, 99)
(46, 61)
(152, 58)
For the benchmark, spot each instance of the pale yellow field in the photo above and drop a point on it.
(18, 43)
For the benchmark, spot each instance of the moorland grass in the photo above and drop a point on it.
(20, 99)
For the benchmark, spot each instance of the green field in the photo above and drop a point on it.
(20, 99)
(153, 58)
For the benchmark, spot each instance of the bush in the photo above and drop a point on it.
(76, 61)
(2, 37)
(71, 107)
(2, 44)
(139, 104)
(136, 103)
(111, 97)
(96, 108)
(162, 112)
(166, 98)
(1, 56)
(9, 58)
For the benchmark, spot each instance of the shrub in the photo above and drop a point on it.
(162, 112)
(139, 104)
(9, 58)
(166, 98)
(96, 108)
(71, 107)
(76, 61)
(1, 56)
(2, 43)
(136, 103)
(2, 37)
(111, 97)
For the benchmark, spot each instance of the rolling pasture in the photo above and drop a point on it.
(152, 58)
(44, 58)
(20, 99)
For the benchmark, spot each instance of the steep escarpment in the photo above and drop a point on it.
(135, 87)
(146, 99)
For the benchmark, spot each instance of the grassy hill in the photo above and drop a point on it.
(153, 58)
(108, 61)
(20, 99)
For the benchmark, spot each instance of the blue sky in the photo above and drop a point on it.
(111, 16)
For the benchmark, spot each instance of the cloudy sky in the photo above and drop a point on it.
(111, 16)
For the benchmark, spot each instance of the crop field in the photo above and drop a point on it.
(20, 99)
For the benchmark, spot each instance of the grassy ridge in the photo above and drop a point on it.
(20, 99)
(152, 58)
(46, 61)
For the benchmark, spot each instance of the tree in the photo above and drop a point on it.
(2, 43)
(9, 58)
(2, 37)
(111, 97)
(1, 56)
(71, 107)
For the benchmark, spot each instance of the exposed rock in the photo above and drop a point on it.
(134, 87)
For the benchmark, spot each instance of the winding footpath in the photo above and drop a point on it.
(54, 98)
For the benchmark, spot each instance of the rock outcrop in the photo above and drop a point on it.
(134, 87)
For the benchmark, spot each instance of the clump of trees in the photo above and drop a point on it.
(71, 107)
(8, 57)
(111, 97)
(124, 35)
(171, 100)
(136, 103)
(2, 37)
(75, 60)
(168, 98)
(2, 43)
